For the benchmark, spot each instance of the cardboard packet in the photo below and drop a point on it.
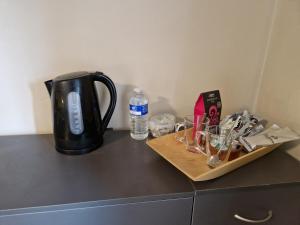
(209, 103)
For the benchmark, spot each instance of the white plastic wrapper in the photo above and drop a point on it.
(272, 135)
(162, 124)
(248, 124)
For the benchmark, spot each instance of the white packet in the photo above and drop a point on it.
(272, 135)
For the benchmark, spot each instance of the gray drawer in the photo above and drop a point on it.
(163, 212)
(219, 207)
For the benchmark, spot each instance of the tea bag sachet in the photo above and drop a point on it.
(272, 135)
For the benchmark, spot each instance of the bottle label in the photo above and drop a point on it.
(138, 110)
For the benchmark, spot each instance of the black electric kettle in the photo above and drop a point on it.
(77, 123)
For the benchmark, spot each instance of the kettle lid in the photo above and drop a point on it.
(70, 76)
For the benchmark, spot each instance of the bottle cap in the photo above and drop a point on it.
(137, 90)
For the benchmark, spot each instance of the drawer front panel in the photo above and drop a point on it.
(219, 207)
(164, 212)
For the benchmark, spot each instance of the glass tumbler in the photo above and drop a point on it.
(193, 133)
(220, 141)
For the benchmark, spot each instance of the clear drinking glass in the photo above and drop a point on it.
(193, 133)
(220, 141)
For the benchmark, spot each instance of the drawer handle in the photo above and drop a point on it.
(270, 214)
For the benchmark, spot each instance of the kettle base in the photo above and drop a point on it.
(78, 151)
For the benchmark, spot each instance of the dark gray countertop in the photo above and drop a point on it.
(277, 167)
(33, 174)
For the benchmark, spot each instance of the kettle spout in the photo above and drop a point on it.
(48, 84)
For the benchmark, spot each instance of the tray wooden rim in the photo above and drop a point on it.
(221, 169)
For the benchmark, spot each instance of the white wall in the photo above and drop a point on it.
(279, 96)
(172, 49)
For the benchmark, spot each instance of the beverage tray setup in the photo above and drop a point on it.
(194, 165)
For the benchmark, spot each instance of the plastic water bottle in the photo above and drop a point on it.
(138, 111)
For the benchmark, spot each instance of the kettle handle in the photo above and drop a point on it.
(99, 76)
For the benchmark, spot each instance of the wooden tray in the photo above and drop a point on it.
(194, 165)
